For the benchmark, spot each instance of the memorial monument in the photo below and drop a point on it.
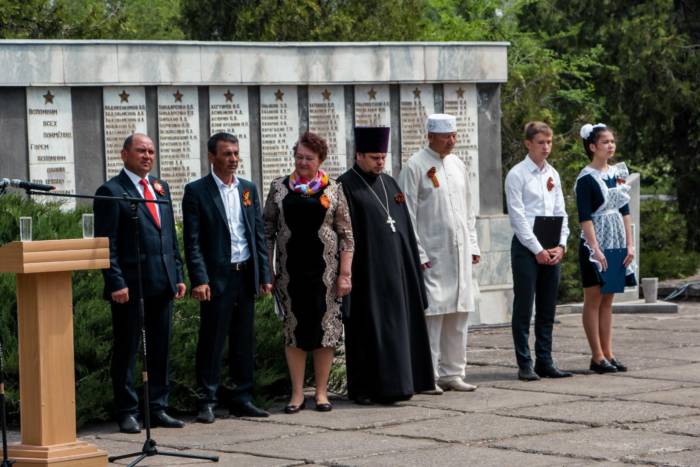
(66, 106)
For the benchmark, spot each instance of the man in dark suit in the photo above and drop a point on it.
(162, 277)
(227, 263)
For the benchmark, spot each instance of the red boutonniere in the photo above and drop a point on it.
(325, 202)
(399, 198)
(158, 187)
(246, 198)
(620, 181)
(433, 178)
(550, 184)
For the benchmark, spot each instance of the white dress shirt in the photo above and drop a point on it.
(234, 216)
(445, 229)
(527, 196)
(136, 180)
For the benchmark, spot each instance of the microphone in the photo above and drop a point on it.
(25, 185)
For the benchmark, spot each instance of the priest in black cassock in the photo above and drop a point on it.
(386, 339)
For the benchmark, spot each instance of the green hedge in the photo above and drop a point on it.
(92, 327)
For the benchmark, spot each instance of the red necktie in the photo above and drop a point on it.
(151, 206)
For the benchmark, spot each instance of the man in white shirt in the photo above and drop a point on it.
(227, 263)
(533, 188)
(438, 197)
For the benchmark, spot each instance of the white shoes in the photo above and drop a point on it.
(457, 385)
(436, 391)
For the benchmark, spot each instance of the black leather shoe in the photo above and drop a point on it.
(603, 366)
(164, 420)
(129, 424)
(247, 409)
(291, 408)
(618, 364)
(526, 374)
(324, 407)
(206, 414)
(551, 372)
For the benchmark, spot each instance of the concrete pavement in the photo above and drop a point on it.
(647, 416)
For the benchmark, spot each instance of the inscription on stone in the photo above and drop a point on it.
(373, 108)
(50, 134)
(416, 104)
(279, 130)
(228, 112)
(461, 101)
(178, 134)
(327, 119)
(124, 114)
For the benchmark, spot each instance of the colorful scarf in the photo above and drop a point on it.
(302, 185)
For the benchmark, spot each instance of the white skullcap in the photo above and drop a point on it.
(442, 123)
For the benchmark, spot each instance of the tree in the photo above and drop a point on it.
(90, 19)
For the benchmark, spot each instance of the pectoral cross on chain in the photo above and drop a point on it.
(391, 222)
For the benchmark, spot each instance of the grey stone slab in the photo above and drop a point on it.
(66, 62)
(684, 458)
(687, 373)
(114, 447)
(491, 357)
(602, 412)
(226, 431)
(474, 427)
(167, 64)
(14, 158)
(31, 64)
(330, 446)
(90, 64)
(687, 397)
(605, 444)
(347, 415)
(222, 65)
(487, 399)
(689, 426)
(457, 456)
(483, 232)
(494, 268)
(592, 385)
(687, 354)
(667, 323)
(635, 307)
(501, 233)
(443, 65)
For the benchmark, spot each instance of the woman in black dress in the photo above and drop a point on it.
(307, 220)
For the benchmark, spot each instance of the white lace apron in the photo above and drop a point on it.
(607, 220)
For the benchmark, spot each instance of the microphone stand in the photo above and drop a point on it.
(149, 446)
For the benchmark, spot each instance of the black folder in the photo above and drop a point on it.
(547, 229)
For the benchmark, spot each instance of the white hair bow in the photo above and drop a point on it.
(587, 129)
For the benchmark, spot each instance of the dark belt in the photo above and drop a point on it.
(243, 265)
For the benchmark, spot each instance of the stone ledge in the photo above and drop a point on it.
(636, 306)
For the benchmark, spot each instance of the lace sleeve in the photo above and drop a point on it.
(342, 224)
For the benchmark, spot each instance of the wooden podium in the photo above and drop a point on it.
(45, 336)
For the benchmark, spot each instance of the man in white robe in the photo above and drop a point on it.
(438, 197)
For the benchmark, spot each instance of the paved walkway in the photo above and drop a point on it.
(648, 416)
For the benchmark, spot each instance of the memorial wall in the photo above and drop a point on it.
(267, 95)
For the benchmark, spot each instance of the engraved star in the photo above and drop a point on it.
(278, 95)
(416, 93)
(228, 95)
(326, 95)
(48, 97)
(372, 94)
(124, 96)
(178, 96)
(460, 92)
